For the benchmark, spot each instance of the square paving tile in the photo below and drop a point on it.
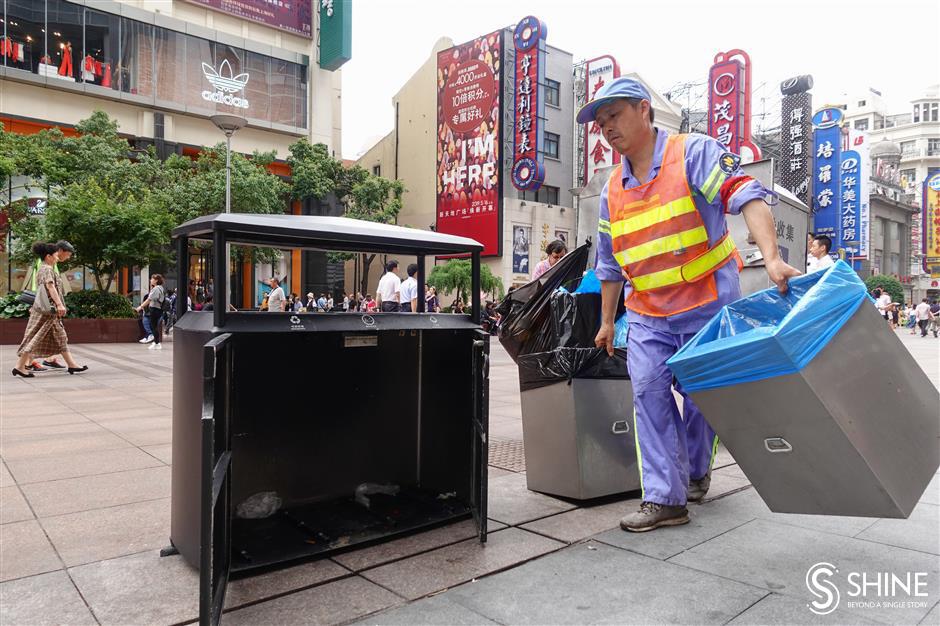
(777, 557)
(451, 565)
(253, 588)
(783, 610)
(107, 533)
(42, 469)
(25, 551)
(432, 611)
(71, 495)
(140, 589)
(163, 451)
(411, 545)
(332, 603)
(725, 483)
(57, 440)
(6, 480)
(13, 506)
(932, 493)
(512, 503)
(921, 531)
(593, 583)
(13, 424)
(582, 523)
(29, 601)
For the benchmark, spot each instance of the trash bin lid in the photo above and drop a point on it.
(319, 232)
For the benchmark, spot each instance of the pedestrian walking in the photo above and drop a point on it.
(409, 290)
(45, 334)
(662, 223)
(431, 303)
(935, 318)
(555, 251)
(369, 305)
(819, 258)
(276, 300)
(153, 307)
(923, 316)
(63, 252)
(388, 292)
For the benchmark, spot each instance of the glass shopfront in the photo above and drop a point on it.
(69, 42)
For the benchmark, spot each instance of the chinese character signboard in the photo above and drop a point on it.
(294, 16)
(335, 33)
(796, 133)
(468, 141)
(528, 171)
(729, 103)
(827, 161)
(855, 191)
(930, 223)
(597, 152)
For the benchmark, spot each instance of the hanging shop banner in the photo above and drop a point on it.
(597, 152)
(528, 171)
(796, 131)
(469, 188)
(294, 16)
(930, 222)
(729, 103)
(827, 161)
(860, 144)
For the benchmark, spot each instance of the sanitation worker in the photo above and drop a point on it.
(662, 228)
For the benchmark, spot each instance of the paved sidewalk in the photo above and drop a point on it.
(84, 508)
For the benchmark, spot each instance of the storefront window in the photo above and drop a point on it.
(136, 67)
(25, 41)
(180, 70)
(100, 65)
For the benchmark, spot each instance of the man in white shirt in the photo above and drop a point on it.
(819, 258)
(276, 299)
(883, 304)
(389, 289)
(409, 290)
(923, 316)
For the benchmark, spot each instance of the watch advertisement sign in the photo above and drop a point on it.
(528, 171)
(469, 198)
(294, 16)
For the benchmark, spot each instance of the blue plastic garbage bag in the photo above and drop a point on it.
(768, 334)
(621, 331)
(590, 283)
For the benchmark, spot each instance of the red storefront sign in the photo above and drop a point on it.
(528, 172)
(295, 16)
(468, 141)
(729, 103)
(597, 152)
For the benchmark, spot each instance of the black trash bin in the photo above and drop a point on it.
(383, 433)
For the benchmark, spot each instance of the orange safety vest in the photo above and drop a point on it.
(660, 241)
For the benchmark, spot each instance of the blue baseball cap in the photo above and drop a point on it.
(623, 87)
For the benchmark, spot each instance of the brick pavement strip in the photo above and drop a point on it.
(84, 461)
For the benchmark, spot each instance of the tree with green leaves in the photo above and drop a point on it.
(456, 276)
(886, 283)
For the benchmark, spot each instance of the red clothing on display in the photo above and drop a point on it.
(106, 81)
(66, 68)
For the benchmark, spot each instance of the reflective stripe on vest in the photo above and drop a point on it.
(689, 272)
(669, 243)
(652, 216)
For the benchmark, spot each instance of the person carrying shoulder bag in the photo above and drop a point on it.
(154, 305)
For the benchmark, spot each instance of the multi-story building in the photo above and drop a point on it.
(905, 150)
(163, 68)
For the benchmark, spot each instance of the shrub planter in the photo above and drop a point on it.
(79, 330)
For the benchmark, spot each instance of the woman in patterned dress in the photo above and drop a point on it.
(45, 334)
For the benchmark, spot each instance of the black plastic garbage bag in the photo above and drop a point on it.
(525, 316)
(576, 318)
(563, 364)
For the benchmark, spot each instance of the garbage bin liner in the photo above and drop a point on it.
(525, 317)
(576, 318)
(562, 364)
(768, 334)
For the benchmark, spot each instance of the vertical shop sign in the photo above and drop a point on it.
(528, 171)
(597, 152)
(729, 103)
(827, 161)
(796, 133)
(930, 223)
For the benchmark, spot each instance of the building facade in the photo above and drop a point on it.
(163, 68)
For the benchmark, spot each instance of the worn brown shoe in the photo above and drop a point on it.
(652, 515)
(698, 488)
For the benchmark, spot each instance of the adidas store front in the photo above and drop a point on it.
(162, 69)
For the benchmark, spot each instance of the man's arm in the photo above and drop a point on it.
(760, 222)
(609, 273)
(610, 292)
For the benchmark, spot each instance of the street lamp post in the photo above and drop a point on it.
(229, 125)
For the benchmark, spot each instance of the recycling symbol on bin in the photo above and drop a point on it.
(368, 320)
(294, 319)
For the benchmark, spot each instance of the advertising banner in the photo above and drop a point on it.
(597, 152)
(796, 131)
(295, 16)
(860, 145)
(729, 103)
(521, 236)
(528, 171)
(930, 222)
(827, 161)
(469, 190)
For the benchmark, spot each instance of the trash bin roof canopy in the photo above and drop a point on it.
(319, 232)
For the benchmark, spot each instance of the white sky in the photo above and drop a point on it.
(895, 44)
